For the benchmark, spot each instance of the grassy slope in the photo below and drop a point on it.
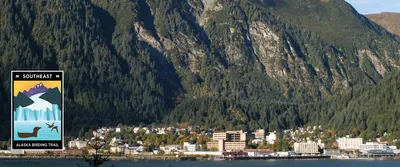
(390, 21)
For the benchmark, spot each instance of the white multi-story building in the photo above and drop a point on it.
(306, 148)
(77, 144)
(257, 141)
(350, 143)
(171, 148)
(271, 137)
(373, 146)
(191, 147)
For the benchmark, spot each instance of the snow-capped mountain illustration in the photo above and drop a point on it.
(40, 104)
(39, 88)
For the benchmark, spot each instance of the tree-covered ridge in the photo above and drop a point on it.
(106, 78)
(245, 63)
(369, 110)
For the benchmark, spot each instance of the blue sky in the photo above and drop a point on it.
(375, 6)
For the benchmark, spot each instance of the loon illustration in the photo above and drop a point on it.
(26, 135)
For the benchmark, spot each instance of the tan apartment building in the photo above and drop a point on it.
(228, 141)
(259, 134)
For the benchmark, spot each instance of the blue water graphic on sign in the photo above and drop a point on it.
(27, 128)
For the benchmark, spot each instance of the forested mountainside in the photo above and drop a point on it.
(390, 21)
(215, 63)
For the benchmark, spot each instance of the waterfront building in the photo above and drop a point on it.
(332, 152)
(271, 137)
(306, 148)
(118, 149)
(171, 148)
(257, 141)
(77, 144)
(260, 152)
(350, 143)
(229, 141)
(191, 147)
(368, 146)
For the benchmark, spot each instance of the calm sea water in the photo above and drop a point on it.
(251, 163)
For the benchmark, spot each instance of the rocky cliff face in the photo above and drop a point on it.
(273, 38)
(282, 40)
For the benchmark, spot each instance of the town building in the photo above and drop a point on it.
(191, 147)
(271, 137)
(204, 153)
(350, 143)
(321, 144)
(373, 146)
(171, 148)
(118, 149)
(332, 152)
(257, 141)
(136, 130)
(393, 147)
(260, 152)
(306, 148)
(229, 141)
(77, 144)
(133, 150)
(259, 134)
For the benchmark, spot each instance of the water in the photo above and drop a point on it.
(44, 133)
(251, 163)
(37, 115)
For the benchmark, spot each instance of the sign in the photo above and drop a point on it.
(37, 110)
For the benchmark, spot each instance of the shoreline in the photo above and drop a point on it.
(173, 158)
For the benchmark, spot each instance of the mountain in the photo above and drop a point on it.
(231, 64)
(390, 21)
(371, 110)
(21, 100)
(39, 88)
(53, 96)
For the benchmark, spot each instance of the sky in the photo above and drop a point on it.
(20, 86)
(375, 6)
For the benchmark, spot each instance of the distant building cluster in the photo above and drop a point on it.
(302, 141)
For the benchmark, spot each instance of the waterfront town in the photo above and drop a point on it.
(186, 141)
